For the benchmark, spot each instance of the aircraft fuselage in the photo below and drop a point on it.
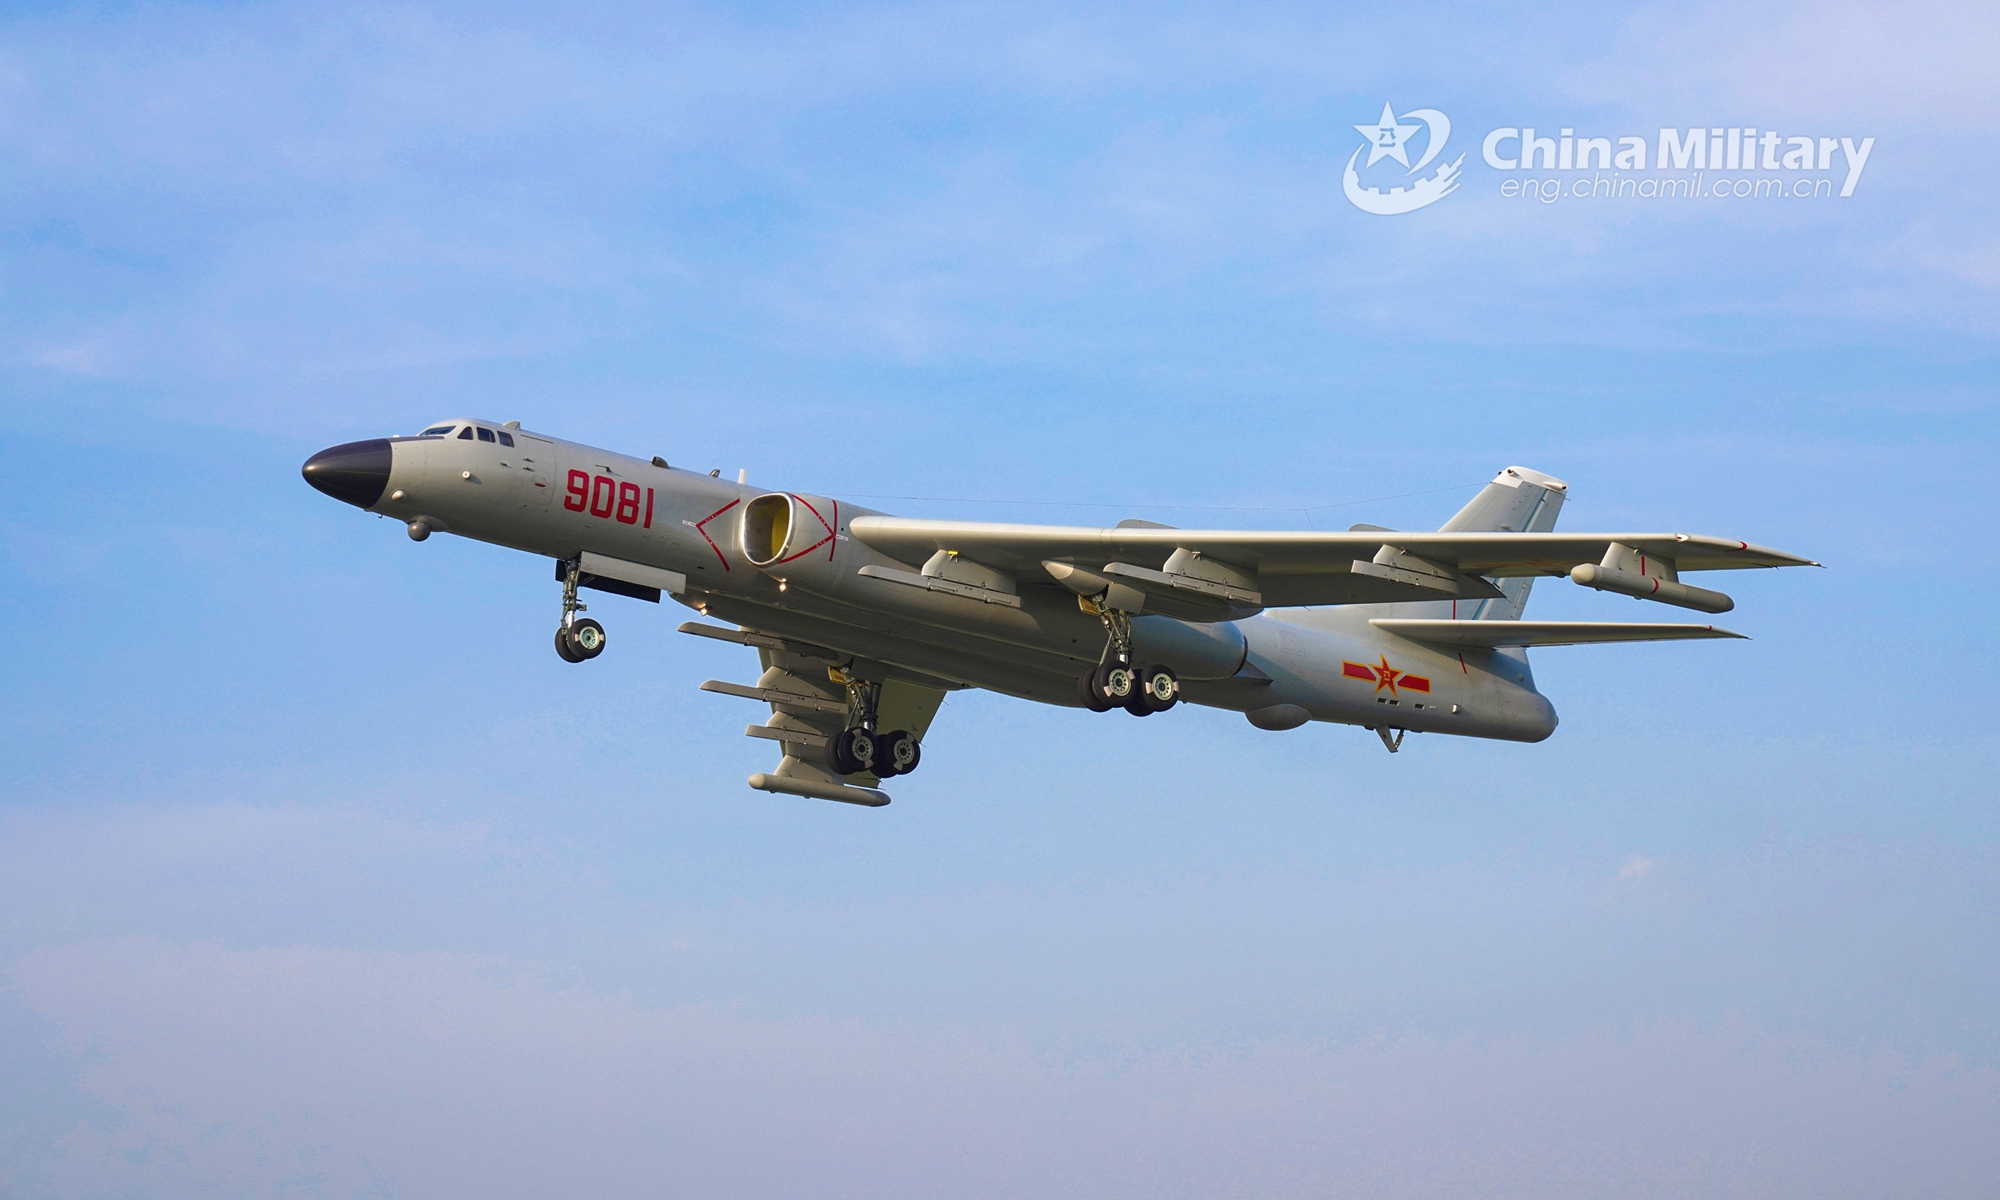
(558, 499)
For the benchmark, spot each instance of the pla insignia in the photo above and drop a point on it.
(1383, 676)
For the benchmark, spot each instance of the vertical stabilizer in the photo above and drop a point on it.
(1519, 500)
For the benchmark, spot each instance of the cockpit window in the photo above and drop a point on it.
(465, 434)
(438, 431)
(506, 439)
(486, 435)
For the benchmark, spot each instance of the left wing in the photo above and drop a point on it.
(808, 709)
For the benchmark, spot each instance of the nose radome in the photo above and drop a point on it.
(355, 472)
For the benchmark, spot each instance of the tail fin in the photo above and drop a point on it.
(1518, 500)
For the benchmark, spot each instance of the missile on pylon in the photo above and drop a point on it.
(1650, 587)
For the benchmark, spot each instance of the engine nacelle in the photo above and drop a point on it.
(1194, 651)
(781, 527)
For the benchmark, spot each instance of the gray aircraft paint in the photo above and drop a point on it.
(956, 604)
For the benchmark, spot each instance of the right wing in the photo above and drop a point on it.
(1253, 569)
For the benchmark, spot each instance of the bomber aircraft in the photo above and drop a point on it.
(862, 621)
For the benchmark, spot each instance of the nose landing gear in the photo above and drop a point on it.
(577, 640)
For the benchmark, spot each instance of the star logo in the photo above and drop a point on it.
(1386, 138)
(1382, 675)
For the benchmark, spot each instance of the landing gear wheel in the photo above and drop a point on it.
(851, 752)
(1160, 687)
(1092, 696)
(563, 647)
(1118, 681)
(586, 638)
(896, 753)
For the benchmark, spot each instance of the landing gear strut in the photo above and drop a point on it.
(577, 639)
(859, 748)
(1115, 682)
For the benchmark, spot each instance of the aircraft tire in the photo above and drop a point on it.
(1160, 687)
(586, 638)
(563, 647)
(1092, 696)
(851, 751)
(896, 753)
(1117, 681)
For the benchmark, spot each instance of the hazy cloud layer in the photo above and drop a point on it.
(318, 1071)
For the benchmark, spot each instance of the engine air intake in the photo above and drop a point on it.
(769, 527)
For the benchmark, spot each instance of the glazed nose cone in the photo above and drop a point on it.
(355, 472)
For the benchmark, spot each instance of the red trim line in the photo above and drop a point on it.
(816, 545)
(700, 528)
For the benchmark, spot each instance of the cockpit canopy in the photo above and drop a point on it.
(468, 431)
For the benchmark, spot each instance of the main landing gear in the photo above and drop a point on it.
(1115, 682)
(858, 748)
(577, 639)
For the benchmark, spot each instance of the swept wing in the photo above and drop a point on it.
(1293, 568)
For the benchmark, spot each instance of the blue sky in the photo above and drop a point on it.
(322, 876)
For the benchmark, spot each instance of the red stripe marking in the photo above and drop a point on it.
(808, 550)
(812, 510)
(1414, 683)
(816, 545)
(1354, 670)
(700, 527)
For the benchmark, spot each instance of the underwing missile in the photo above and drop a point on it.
(1648, 587)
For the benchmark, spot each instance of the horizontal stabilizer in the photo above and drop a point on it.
(1542, 633)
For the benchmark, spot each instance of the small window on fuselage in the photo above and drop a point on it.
(486, 435)
(465, 434)
(438, 431)
(507, 439)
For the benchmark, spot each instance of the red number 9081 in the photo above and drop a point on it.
(603, 496)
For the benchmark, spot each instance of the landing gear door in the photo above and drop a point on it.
(905, 705)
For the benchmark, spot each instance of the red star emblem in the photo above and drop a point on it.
(1385, 676)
